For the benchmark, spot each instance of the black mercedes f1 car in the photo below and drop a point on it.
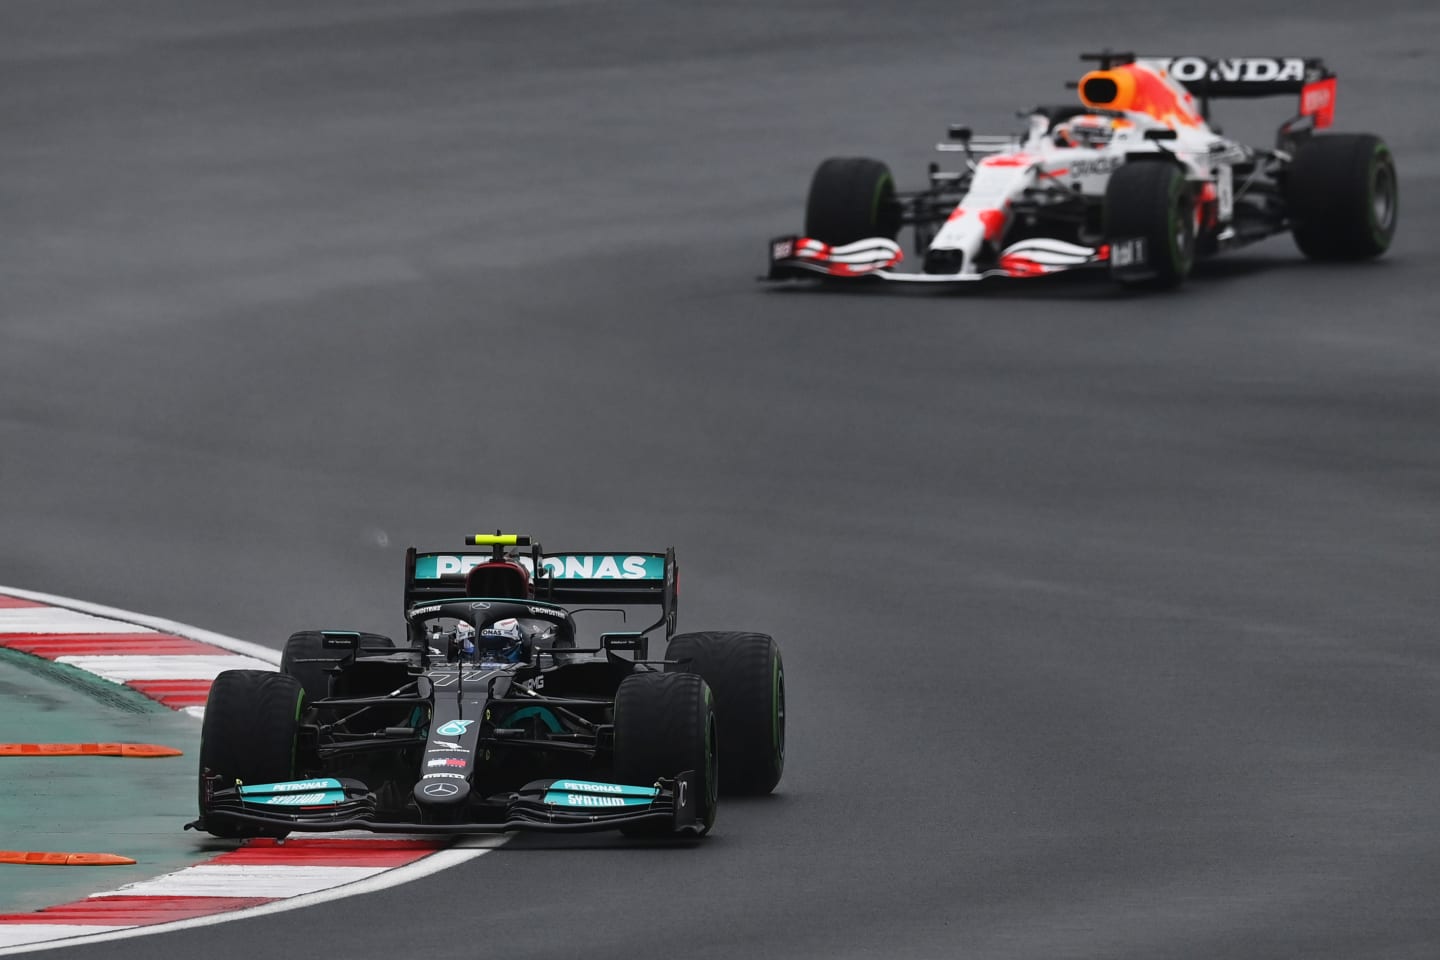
(491, 715)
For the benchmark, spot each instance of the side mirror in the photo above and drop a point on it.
(959, 132)
(339, 640)
(622, 640)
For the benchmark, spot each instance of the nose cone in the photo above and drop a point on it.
(441, 791)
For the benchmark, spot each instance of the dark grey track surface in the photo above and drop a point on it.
(1111, 622)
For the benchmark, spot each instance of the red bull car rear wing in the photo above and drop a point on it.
(1113, 86)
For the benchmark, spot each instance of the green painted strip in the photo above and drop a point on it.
(90, 804)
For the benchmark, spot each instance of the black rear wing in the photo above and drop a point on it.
(1242, 77)
(572, 578)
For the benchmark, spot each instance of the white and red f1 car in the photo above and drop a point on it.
(1133, 179)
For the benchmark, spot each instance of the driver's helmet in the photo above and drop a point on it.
(1084, 130)
(501, 641)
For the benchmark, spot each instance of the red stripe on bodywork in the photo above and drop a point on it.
(52, 645)
(329, 853)
(1009, 160)
(1018, 266)
(9, 603)
(994, 221)
(135, 911)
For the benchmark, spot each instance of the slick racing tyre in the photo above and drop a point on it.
(251, 721)
(748, 678)
(306, 659)
(1150, 224)
(1344, 197)
(851, 198)
(664, 725)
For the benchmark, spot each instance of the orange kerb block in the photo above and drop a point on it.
(31, 858)
(135, 750)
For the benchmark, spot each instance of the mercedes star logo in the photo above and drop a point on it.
(441, 789)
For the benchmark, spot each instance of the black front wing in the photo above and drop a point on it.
(674, 808)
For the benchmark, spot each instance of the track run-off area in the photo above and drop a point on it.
(171, 664)
(1109, 620)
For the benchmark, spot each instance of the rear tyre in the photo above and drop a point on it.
(851, 198)
(248, 735)
(306, 659)
(664, 725)
(1344, 197)
(1149, 201)
(748, 678)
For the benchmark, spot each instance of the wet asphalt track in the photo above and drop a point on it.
(1110, 621)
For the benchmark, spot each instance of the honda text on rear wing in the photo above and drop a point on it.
(1218, 77)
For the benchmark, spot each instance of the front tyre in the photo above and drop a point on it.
(1344, 197)
(851, 198)
(252, 718)
(307, 659)
(748, 677)
(1150, 225)
(665, 725)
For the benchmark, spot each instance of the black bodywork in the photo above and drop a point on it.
(427, 737)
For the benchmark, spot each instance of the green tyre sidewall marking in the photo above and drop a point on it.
(295, 744)
(875, 200)
(1172, 229)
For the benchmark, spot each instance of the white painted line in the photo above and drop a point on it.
(268, 654)
(41, 620)
(243, 880)
(298, 886)
(443, 860)
(197, 712)
(123, 667)
(16, 934)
